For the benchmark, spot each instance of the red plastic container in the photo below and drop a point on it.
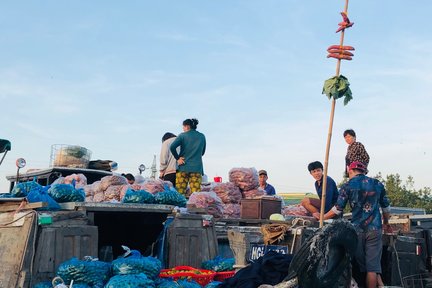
(189, 273)
(218, 179)
(221, 276)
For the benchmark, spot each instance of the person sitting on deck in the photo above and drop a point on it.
(313, 205)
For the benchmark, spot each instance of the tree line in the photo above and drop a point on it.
(403, 194)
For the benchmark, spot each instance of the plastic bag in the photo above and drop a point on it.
(80, 180)
(133, 263)
(219, 264)
(40, 194)
(166, 283)
(66, 193)
(171, 197)
(139, 196)
(295, 210)
(231, 211)
(208, 200)
(107, 181)
(22, 189)
(130, 281)
(227, 192)
(254, 193)
(90, 271)
(185, 283)
(112, 193)
(45, 284)
(213, 284)
(244, 178)
(155, 185)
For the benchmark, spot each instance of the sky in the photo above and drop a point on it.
(114, 76)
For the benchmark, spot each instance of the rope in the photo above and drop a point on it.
(392, 245)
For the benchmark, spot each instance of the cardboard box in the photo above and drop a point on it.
(259, 208)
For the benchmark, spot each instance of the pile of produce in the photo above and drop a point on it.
(139, 280)
(134, 263)
(66, 193)
(208, 200)
(170, 197)
(244, 178)
(89, 271)
(22, 189)
(140, 196)
(219, 264)
(227, 192)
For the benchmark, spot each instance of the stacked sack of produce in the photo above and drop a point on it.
(247, 180)
(295, 210)
(90, 272)
(34, 192)
(134, 270)
(155, 185)
(138, 196)
(208, 200)
(62, 193)
(106, 190)
(231, 196)
(170, 196)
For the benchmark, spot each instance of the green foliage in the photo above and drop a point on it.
(404, 194)
(338, 87)
(401, 194)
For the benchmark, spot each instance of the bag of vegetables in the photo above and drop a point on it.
(90, 271)
(66, 193)
(132, 262)
(130, 281)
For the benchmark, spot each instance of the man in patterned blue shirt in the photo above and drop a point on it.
(366, 195)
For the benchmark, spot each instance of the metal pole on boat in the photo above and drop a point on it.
(329, 135)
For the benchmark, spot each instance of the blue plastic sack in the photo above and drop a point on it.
(184, 283)
(213, 284)
(170, 196)
(90, 271)
(219, 264)
(166, 283)
(66, 193)
(140, 196)
(130, 281)
(22, 189)
(40, 194)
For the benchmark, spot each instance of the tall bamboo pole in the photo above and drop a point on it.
(329, 135)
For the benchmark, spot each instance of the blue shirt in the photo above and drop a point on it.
(269, 189)
(331, 193)
(366, 195)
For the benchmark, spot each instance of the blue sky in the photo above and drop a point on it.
(114, 76)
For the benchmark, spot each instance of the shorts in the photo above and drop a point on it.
(369, 250)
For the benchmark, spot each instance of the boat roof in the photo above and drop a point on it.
(67, 170)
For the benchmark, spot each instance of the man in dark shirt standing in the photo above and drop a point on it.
(366, 195)
(313, 205)
(269, 189)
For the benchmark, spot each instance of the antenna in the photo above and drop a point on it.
(153, 168)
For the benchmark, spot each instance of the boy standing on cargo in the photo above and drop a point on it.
(313, 205)
(366, 195)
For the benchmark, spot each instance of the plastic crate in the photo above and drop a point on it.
(189, 273)
(221, 276)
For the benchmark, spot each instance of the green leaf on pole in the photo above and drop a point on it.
(338, 87)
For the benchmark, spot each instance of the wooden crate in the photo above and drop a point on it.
(259, 208)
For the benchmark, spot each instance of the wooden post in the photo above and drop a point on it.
(329, 135)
